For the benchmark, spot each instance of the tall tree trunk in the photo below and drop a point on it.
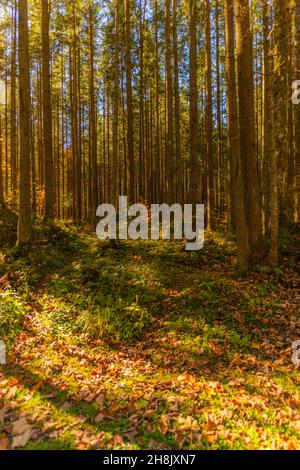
(281, 93)
(220, 205)
(115, 127)
(130, 140)
(2, 130)
(209, 120)
(194, 176)
(24, 222)
(93, 180)
(250, 174)
(142, 154)
(1, 159)
(6, 126)
(297, 112)
(157, 161)
(178, 163)
(232, 116)
(169, 160)
(270, 180)
(47, 115)
(13, 106)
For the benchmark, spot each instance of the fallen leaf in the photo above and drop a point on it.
(118, 440)
(99, 417)
(4, 443)
(66, 406)
(3, 413)
(20, 427)
(21, 441)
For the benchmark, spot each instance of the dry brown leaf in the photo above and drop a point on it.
(3, 413)
(99, 417)
(38, 386)
(118, 440)
(66, 406)
(188, 423)
(20, 427)
(21, 440)
(3, 443)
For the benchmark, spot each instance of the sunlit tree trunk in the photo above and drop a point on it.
(93, 183)
(297, 112)
(232, 115)
(178, 163)
(115, 136)
(47, 115)
(270, 180)
(13, 105)
(209, 119)
(24, 222)
(169, 158)
(130, 140)
(281, 93)
(194, 174)
(251, 188)
(1, 159)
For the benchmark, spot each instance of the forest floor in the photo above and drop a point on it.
(145, 346)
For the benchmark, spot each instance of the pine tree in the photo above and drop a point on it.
(24, 222)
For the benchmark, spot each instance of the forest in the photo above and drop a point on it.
(133, 344)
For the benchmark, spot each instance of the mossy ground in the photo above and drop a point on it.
(144, 345)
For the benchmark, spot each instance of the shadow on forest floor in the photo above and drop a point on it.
(144, 345)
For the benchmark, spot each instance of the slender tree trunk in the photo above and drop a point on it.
(209, 120)
(157, 126)
(169, 107)
(178, 162)
(2, 132)
(24, 222)
(13, 106)
(6, 126)
(247, 131)
(130, 140)
(1, 160)
(232, 115)
(33, 161)
(79, 141)
(47, 115)
(220, 206)
(115, 129)
(93, 180)
(270, 181)
(281, 93)
(141, 162)
(297, 112)
(194, 174)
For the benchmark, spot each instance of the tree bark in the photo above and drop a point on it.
(130, 140)
(232, 116)
(93, 183)
(209, 120)
(24, 222)
(178, 163)
(270, 181)
(297, 112)
(247, 131)
(194, 174)
(47, 115)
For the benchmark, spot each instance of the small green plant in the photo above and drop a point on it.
(12, 314)
(120, 322)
